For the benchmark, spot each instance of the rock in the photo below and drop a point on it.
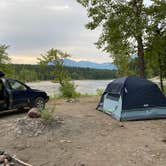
(6, 161)
(38, 133)
(50, 140)
(8, 157)
(2, 152)
(2, 158)
(121, 125)
(164, 140)
(72, 100)
(82, 164)
(34, 113)
(65, 141)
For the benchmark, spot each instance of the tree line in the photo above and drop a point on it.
(28, 73)
(39, 72)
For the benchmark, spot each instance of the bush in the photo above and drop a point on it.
(47, 115)
(99, 92)
(68, 90)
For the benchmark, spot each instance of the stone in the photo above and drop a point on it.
(121, 125)
(34, 113)
(72, 100)
(12, 164)
(8, 157)
(82, 164)
(2, 152)
(6, 161)
(2, 158)
(164, 140)
(65, 141)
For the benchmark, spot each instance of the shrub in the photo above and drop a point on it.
(99, 92)
(47, 115)
(68, 90)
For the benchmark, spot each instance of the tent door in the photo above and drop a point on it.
(111, 103)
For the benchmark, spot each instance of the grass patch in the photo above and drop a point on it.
(87, 94)
(68, 94)
(48, 115)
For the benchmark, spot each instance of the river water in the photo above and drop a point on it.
(82, 86)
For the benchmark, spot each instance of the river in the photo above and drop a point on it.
(82, 86)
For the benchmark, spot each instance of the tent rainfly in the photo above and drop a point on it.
(133, 98)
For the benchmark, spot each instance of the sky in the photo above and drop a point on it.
(32, 27)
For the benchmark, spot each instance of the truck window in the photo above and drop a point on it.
(15, 85)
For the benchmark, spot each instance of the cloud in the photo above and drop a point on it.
(31, 27)
(57, 8)
(24, 59)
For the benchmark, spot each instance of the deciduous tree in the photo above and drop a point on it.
(123, 27)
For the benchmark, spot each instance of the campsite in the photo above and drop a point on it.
(85, 137)
(83, 83)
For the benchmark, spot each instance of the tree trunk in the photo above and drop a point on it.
(161, 73)
(137, 9)
(141, 61)
(160, 61)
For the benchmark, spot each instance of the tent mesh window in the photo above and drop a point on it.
(114, 97)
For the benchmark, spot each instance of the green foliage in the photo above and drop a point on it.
(56, 59)
(78, 73)
(156, 40)
(48, 115)
(123, 25)
(75, 73)
(99, 91)
(27, 75)
(123, 65)
(4, 59)
(87, 94)
(7, 69)
(5, 65)
(68, 90)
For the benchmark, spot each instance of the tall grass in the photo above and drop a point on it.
(48, 115)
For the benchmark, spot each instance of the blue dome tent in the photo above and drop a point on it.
(133, 98)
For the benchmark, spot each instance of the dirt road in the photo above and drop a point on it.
(88, 138)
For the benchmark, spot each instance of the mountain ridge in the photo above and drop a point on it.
(89, 64)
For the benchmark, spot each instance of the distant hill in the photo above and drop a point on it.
(88, 64)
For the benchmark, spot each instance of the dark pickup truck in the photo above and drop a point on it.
(15, 95)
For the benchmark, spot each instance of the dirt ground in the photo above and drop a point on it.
(87, 138)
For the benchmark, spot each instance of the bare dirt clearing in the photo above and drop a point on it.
(82, 136)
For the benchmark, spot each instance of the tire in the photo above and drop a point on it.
(39, 103)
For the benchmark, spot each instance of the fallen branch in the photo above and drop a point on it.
(21, 162)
